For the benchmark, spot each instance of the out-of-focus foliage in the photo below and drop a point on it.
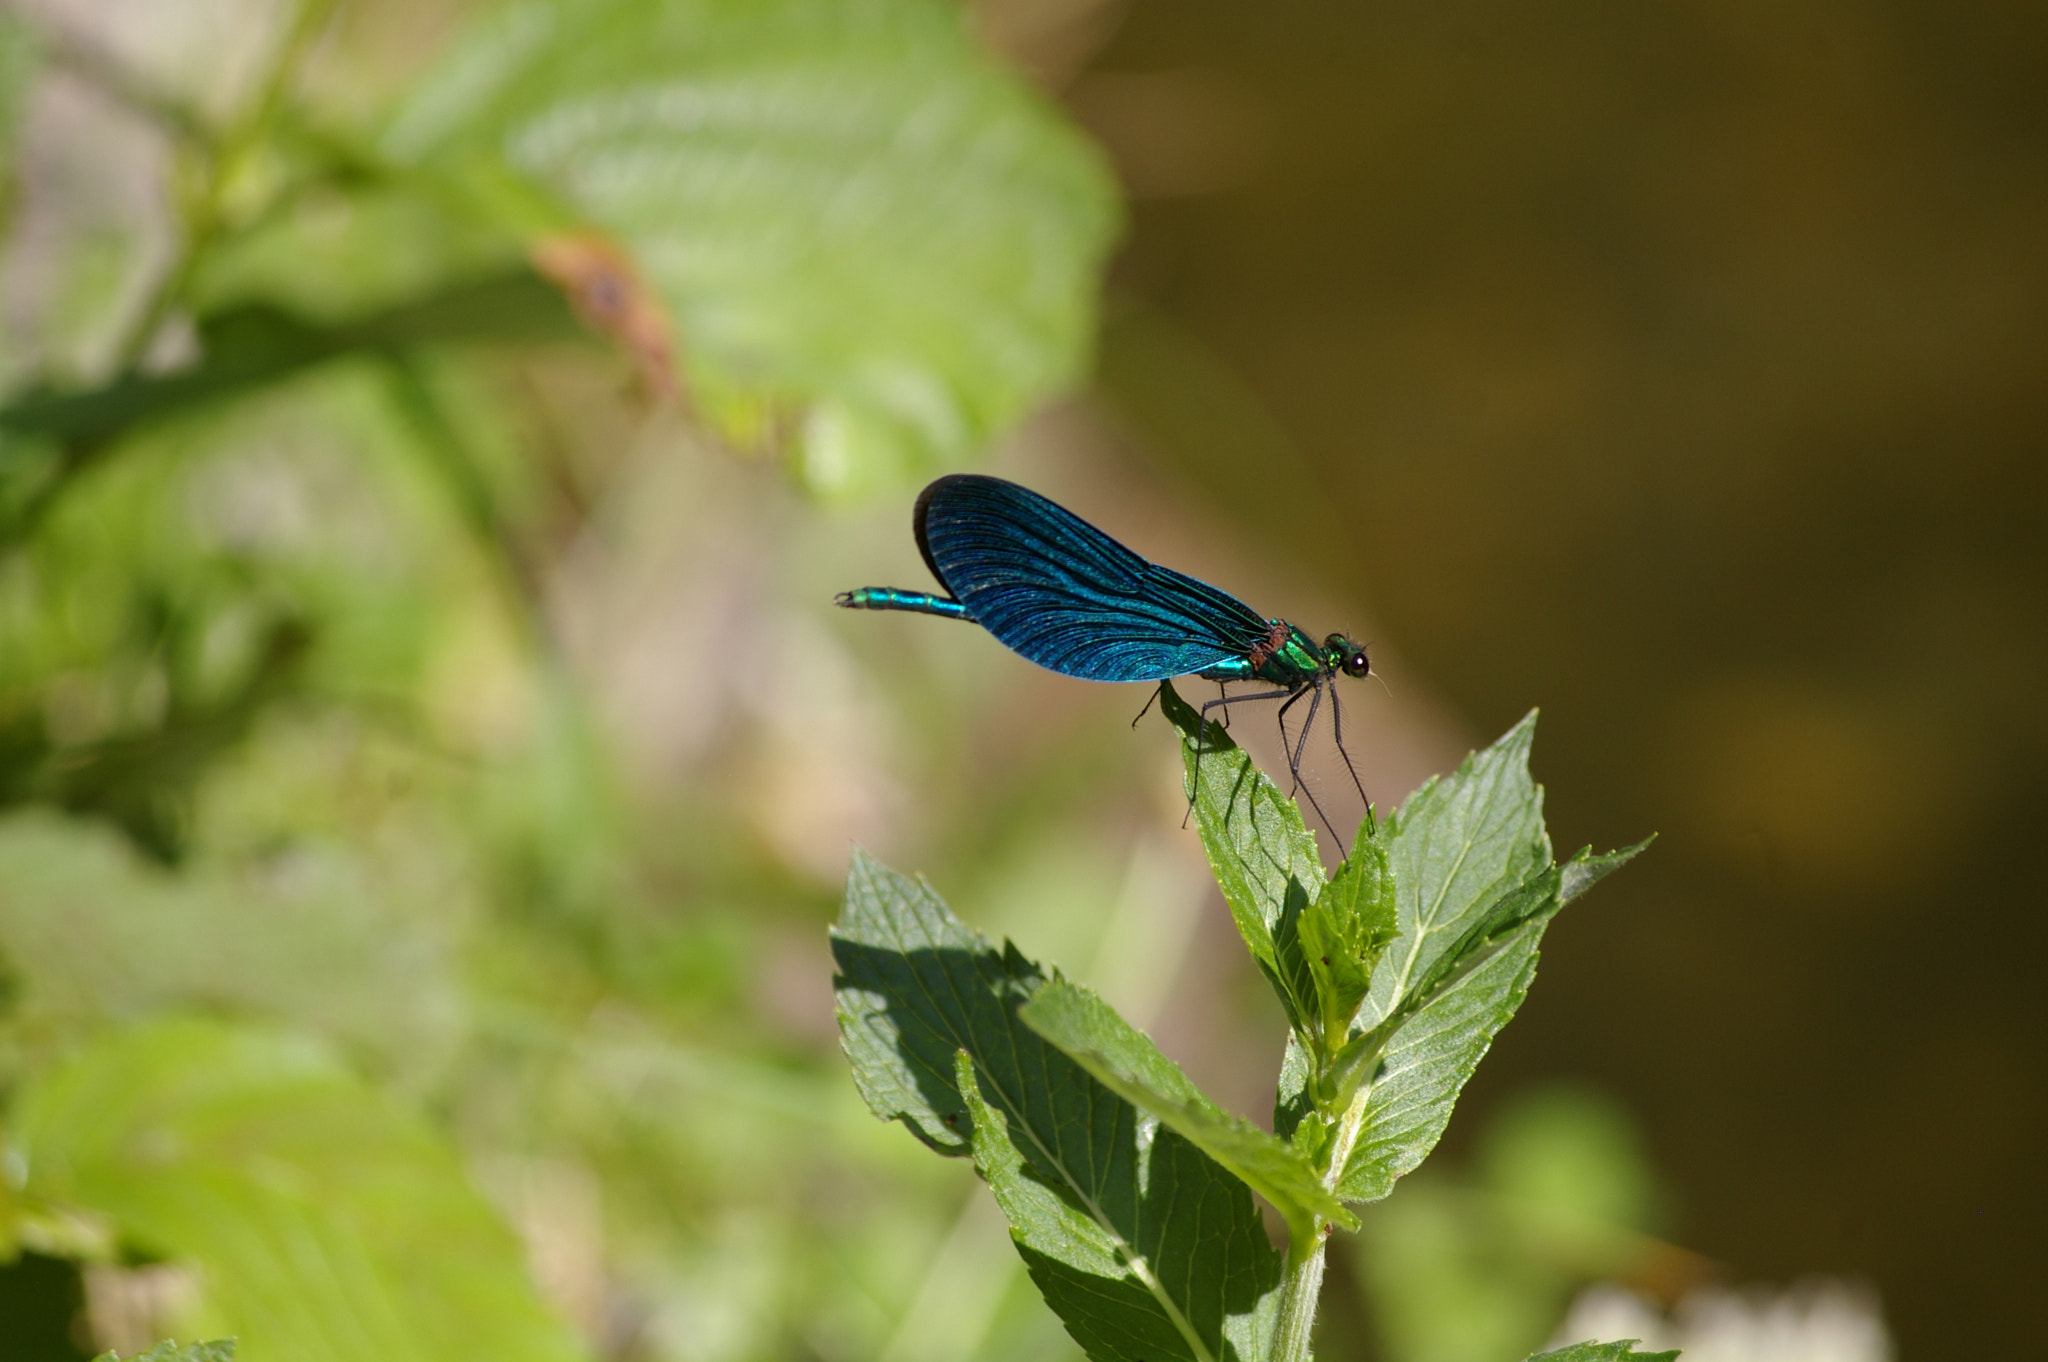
(856, 222)
(865, 242)
(1477, 1261)
(417, 748)
(94, 935)
(324, 1220)
(17, 68)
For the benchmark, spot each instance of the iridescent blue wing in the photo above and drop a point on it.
(1065, 595)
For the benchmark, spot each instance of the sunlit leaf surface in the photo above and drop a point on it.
(328, 1223)
(1125, 1061)
(1261, 852)
(1475, 891)
(1457, 845)
(1473, 888)
(97, 934)
(845, 208)
(1146, 1248)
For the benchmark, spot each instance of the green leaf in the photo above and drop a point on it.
(1623, 1350)
(1456, 847)
(1585, 870)
(1152, 1298)
(218, 1350)
(255, 345)
(1125, 1060)
(914, 986)
(1262, 855)
(96, 934)
(326, 1221)
(1144, 1246)
(1474, 891)
(842, 206)
(1428, 1060)
(1534, 898)
(1346, 931)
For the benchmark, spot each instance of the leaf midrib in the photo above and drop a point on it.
(1425, 924)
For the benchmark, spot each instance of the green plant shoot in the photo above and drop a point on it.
(1128, 1191)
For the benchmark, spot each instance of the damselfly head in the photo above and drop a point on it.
(1347, 655)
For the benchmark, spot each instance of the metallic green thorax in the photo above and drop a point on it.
(1290, 658)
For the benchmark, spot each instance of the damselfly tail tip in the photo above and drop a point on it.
(844, 598)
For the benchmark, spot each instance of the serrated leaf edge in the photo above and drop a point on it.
(1300, 1199)
(985, 1117)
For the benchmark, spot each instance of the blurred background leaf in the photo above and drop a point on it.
(861, 228)
(327, 1222)
(96, 935)
(1476, 1262)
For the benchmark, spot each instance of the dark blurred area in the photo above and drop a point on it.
(1684, 370)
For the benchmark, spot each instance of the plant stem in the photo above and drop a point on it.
(1303, 1283)
(1299, 1291)
(221, 157)
(458, 467)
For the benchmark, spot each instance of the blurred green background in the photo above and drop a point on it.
(434, 433)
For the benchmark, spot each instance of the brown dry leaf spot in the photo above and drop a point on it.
(610, 297)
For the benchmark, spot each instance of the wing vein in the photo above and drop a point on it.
(1063, 594)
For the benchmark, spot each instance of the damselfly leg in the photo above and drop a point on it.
(1337, 730)
(1287, 699)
